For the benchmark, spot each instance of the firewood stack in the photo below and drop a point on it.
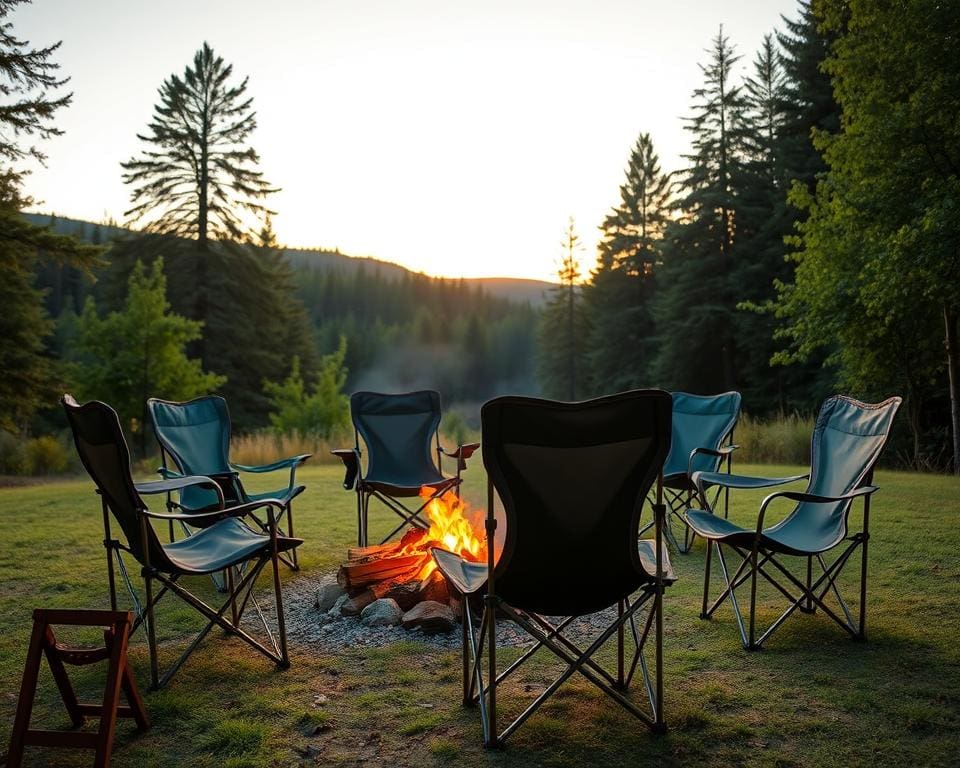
(393, 570)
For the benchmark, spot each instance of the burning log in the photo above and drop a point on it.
(404, 570)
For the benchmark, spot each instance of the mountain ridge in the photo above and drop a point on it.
(518, 289)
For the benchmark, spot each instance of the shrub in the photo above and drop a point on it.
(45, 455)
(13, 455)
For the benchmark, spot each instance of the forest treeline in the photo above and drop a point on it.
(810, 243)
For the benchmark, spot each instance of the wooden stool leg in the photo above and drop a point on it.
(28, 690)
(61, 679)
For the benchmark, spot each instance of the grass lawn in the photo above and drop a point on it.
(812, 697)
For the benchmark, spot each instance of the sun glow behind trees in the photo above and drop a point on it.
(453, 138)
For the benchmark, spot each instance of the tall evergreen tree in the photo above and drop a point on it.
(763, 221)
(200, 177)
(562, 330)
(139, 352)
(28, 82)
(879, 266)
(695, 301)
(619, 295)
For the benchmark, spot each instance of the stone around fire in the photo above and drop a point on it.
(381, 613)
(328, 594)
(431, 617)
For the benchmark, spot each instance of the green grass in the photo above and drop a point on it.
(812, 697)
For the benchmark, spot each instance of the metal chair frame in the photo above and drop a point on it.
(231, 486)
(481, 694)
(761, 555)
(389, 495)
(241, 573)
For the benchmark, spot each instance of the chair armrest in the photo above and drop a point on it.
(722, 451)
(293, 461)
(811, 498)
(240, 510)
(742, 482)
(178, 483)
(351, 461)
(463, 452)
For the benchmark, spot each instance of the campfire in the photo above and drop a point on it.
(404, 570)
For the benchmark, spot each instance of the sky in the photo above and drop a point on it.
(454, 137)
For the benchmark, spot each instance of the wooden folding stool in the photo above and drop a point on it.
(44, 642)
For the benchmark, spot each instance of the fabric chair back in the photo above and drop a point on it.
(848, 438)
(700, 421)
(196, 436)
(399, 432)
(573, 478)
(103, 451)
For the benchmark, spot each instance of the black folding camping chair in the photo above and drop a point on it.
(226, 543)
(572, 478)
(401, 435)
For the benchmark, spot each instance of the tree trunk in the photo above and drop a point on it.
(950, 323)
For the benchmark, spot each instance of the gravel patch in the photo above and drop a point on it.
(320, 631)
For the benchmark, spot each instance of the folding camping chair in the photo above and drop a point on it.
(225, 543)
(701, 440)
(399, 432)
(195, 437)
(572, 478)
(848, 438)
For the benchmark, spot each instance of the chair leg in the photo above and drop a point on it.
(706, 581)
(620, 642)
(751, 646)
(151, 633)
(281, 623)
(295, 563)
(493, 739)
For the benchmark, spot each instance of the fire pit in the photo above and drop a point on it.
(404, 571)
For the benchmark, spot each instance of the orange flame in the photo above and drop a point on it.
(450, 528)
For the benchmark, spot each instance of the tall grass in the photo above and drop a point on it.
(779, 440)
(266, 447)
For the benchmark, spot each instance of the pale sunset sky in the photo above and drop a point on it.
(453, 137)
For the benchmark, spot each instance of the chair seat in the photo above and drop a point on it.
(407, 487)
(468, 578)
(648, 559)
(225, 543)
(791, 536)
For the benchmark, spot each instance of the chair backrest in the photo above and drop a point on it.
(700, 421)
(848, 439)
(400, 432)
(573, 478)
(196, 436)
(104, 454)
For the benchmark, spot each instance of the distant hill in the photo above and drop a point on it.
(513, 288)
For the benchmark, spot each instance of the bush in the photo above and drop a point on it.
(45, 455)
(13, 455)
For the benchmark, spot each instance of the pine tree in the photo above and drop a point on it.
(696, 298)
(27, 106)
(619, 295)
(199, 180)
(139, 352)
(28, 78)
(561, 366)
(763, 222)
